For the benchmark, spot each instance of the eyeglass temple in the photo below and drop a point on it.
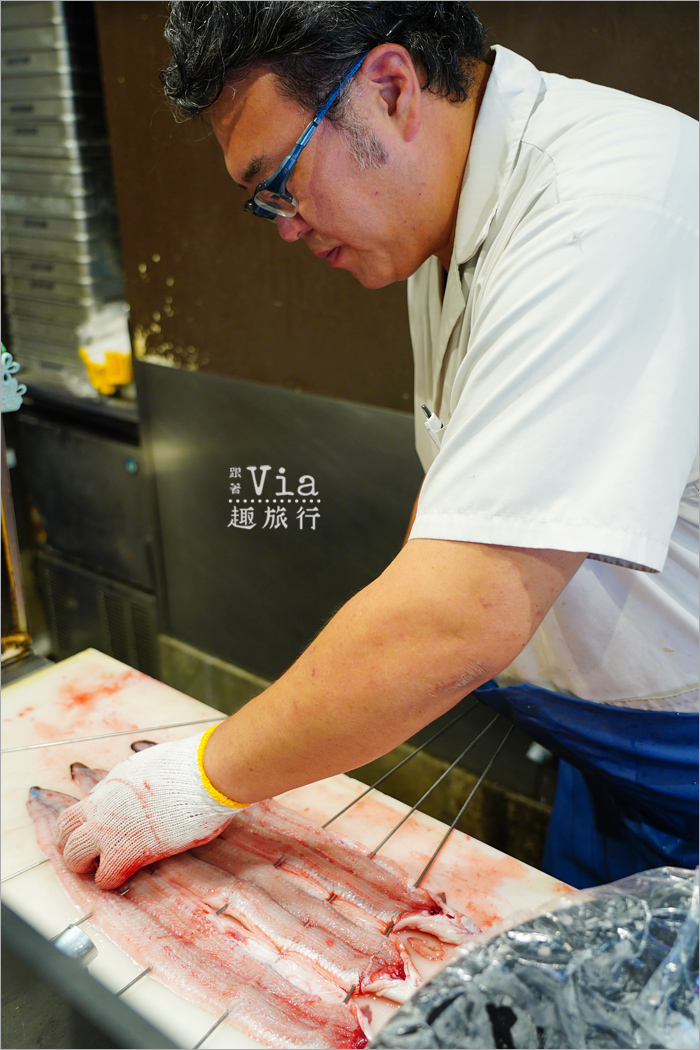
(290, 160)
(308, 131)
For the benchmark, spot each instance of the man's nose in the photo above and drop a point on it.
(291, 229)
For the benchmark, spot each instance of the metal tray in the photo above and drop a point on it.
(33, 38)
(73, 184)
(59, 85)
(67, 107)
(27, 266)
(24, 330)
(86, 270)
(46, 288)
(21, 13)
(89, 160)
(36, 309)
(99, 252)
(59, 137)
(74, 230)
(58, 59)
(59, 207)
(97, 271)
(46, 356)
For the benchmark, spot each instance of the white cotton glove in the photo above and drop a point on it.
(150, 806)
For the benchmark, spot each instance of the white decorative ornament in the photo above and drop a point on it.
(12, 391)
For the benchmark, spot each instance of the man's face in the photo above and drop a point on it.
(353, 217)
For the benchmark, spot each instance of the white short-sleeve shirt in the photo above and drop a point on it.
(563, 361)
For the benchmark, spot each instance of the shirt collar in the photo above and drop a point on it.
(510, 97)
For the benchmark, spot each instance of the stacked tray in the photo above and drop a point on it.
(60, 246)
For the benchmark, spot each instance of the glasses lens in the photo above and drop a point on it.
(261, 213)
(276, 203)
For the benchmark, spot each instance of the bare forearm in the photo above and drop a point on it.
(400, 653)
(413, 517)
(358, 690)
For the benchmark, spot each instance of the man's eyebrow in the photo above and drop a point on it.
(253, 170)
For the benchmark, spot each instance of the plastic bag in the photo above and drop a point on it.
(613, 966)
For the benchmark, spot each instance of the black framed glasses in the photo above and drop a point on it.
(272, 198)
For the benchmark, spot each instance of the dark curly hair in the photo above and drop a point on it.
(311, 46)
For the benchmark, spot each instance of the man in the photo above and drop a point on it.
(548, 229)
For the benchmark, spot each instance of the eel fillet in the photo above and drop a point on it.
(260, 913)
(205, 957)
(379, 889)
(245, 922)
(387, 968)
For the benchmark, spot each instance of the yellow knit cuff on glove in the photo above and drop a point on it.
(214, 792)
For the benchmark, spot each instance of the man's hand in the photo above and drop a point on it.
(150, 806)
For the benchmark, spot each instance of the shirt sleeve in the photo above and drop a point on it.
(573, 415)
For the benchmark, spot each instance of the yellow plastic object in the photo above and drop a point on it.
(116, 370)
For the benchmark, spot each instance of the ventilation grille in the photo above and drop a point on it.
(85, 610)
(115, 612)
(60, 604)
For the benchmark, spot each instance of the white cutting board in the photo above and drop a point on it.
(92, 694)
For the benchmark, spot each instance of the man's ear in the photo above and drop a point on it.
(390, 84)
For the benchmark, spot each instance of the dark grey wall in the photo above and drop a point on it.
(257, 596)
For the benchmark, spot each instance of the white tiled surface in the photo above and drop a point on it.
(92, 693)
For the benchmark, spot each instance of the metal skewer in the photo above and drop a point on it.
(426, 793)
(433, 786)
(106, 736)
(131, 983)
(454, 823)
(393, 770)
(456, 820)
(6, 878)
(78, 921)
(212, 1029)
(401, 763)
(464, 806)
(70, 926)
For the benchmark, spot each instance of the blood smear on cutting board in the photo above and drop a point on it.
(84, 703)
(86, 692)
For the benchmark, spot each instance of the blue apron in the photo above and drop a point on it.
(627, 787)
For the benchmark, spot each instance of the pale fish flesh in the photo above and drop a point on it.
(377, 887)
(388, 970)
(197, 953)
(281, 957)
